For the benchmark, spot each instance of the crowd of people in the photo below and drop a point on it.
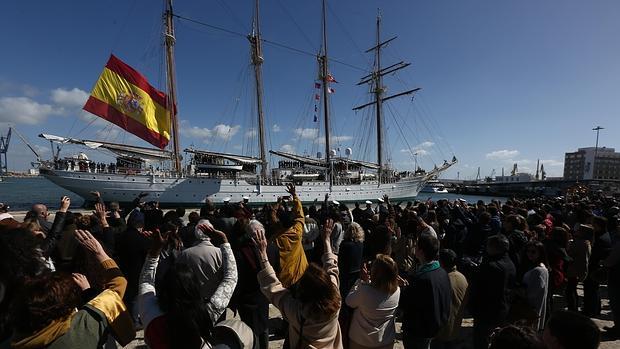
(340, 277)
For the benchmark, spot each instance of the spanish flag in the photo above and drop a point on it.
(124, 97)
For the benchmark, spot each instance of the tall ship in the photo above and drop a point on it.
(176, 177)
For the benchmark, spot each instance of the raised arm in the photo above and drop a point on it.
(55, 232)
(330, 260)
(220, 299)
(298, 210)
(269, 283)
(113, 278)
(224, 291)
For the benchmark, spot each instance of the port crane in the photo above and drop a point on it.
(4, 148)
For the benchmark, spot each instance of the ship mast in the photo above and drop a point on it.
(172, 91)
(257, 61)
(378, 102)
(376, 79)
(326, 79)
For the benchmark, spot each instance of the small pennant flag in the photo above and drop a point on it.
(317, 96)
(316, 108)
(317, 85)
(331, 90)
(330, 78)
(316, 119)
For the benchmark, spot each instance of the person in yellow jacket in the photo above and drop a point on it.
(293, 261)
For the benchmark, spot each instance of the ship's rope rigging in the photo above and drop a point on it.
(267, 41)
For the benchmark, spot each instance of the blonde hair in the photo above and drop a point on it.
(354, 232)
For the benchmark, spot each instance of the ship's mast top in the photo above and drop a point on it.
(257, 61)
(325, 84)
(169, 41)
(376, 80)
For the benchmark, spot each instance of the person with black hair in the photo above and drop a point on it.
(491, 290)
(612, 262)
(426, 301)
(570, 330)
(175, 314)
(449, 335)
(600, 250)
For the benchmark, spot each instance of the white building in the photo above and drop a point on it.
(583, 165)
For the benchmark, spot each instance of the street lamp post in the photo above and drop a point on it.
(597, 129)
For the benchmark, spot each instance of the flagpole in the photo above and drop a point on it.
(172, 93)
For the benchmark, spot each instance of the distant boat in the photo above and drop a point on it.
(434, 186)
(231, 176)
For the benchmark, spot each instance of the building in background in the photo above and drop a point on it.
(592, 163)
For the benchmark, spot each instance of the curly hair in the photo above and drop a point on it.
(354, 232)
(316, 290)
(50, 296)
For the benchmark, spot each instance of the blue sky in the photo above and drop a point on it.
(502, 81)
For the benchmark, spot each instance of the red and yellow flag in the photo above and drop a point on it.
(124, 97)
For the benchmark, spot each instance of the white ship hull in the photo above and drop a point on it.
(191, 191)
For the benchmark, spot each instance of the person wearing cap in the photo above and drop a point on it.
(369, 212)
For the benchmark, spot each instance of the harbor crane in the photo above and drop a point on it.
(4, 148)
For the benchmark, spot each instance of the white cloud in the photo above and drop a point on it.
(251, 132)
(287, 148)
(552, 163)
(502, 154)
(275, 128)
(108, 133)
(74, 98)
(415, 151)
(24, 110)
(7, 87)
(221, 131)
(306, 133)
(197, 132)
(426, 144)
(225, 132)
(333, 139)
